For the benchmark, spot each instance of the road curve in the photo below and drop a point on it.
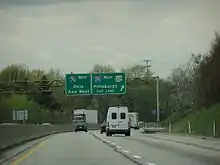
(79, 148)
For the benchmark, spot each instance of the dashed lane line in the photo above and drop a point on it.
(114, 144)
(125, 154)
(126, 151)
(147, 163)
(119, 147)
(136, 156)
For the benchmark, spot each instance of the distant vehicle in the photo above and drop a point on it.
(90, 116)
(118, 121)
(82, 117)
(103, 127)
(141, 124)
(79, 113)
(134, 120)
(80, 125)
(46, 124)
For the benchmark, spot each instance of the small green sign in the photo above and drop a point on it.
(108, 83)
(78, 84)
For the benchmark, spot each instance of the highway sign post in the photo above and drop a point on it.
(78, 84)
(95, 84)
(108, 83)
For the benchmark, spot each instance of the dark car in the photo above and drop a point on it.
(81, 127)
(103, 127)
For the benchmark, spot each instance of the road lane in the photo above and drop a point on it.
(7, 155)
(164, 152)
(79, 148)
(209, 143)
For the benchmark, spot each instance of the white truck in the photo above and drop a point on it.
(79, 112)
(79, 120)
(90, 116)
(134, 120)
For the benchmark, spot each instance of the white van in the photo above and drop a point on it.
(117, 121)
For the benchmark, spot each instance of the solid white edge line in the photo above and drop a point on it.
(119, 147)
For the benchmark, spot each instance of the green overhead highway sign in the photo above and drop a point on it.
(78, 84)
(108, 83)
(95, 84)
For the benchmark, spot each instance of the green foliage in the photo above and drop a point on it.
(208, 76)
(195, 93)
(14, 72)
(56, 107)
(201, 122)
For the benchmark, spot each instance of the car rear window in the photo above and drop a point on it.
(114, 115)
(123, 116)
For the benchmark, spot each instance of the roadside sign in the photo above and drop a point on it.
(20, 115)
(95, 84)
(77, 84)
(108, 83)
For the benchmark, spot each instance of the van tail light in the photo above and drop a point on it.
(107, 124)
(129, 123)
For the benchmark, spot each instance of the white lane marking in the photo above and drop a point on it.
(150, 163)
(126, 151)
(136, 156)
(119, 147)
(108, 141)
(113, 144)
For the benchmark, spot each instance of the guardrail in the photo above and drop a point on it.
(153, 127)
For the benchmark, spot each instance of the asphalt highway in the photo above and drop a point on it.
(93, 148)
(77, 148)
(149, 149)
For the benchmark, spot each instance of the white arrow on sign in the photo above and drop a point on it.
(122, 87)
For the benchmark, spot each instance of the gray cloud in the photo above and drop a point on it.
(23, 3)
(75, 36)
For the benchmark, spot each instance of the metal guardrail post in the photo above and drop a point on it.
(189, 127)
(170, 128)
(214, 128)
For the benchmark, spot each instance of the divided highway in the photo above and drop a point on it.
(93, 148)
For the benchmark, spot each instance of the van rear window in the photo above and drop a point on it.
(123, 116)
(114, 115)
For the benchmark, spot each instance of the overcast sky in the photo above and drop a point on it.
(73, 35)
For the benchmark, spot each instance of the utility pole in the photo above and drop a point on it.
(148, 65)
(158, 100)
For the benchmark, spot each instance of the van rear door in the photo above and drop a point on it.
(123, 118)
(113, 118)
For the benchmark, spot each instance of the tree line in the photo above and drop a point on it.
(190, 87)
